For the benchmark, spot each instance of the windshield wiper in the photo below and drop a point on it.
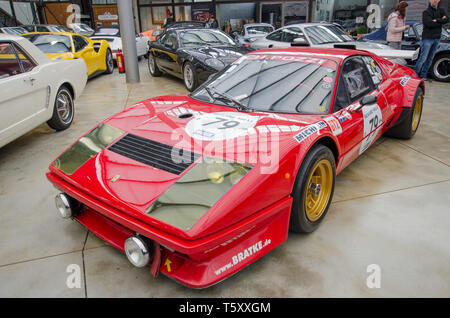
(215, 95)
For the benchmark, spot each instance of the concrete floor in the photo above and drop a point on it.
(391, 208)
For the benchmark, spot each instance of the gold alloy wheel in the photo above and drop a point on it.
(318, 190)
(416, 113)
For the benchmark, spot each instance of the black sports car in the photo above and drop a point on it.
(192, 54)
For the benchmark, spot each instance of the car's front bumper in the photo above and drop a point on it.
(197, 263)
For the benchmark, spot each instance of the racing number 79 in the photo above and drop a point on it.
(226, 123)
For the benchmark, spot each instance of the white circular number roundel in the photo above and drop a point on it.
(220, 126)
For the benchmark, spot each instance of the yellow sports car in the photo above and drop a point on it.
(67, 46)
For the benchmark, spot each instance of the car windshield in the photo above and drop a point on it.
(58, 28)
(157, 32)
(323, 34)
(51, 43)
(259, 29)
(297, 84)
(203, 37)
(15, 31)
(107, 31)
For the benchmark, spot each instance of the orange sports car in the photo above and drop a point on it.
(152, 34)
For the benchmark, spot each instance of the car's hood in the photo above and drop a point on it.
(148, 151)
(226, 54)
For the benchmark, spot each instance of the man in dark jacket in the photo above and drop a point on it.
(433, 19)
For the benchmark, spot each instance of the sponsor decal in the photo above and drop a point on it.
(308, 131)
(241, 256)
(334, 125)
(405, 80)
(372, 125)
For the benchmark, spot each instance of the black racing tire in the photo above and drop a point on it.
(311, 200)
(153, 67)
(109, 60)
(63, 110)
(408, 127)
(441, 68)
(190, 77)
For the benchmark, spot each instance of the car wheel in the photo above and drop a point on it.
(190, 77)
(408, 127)
(313, 189)
(109, 62)
(441, 68)
(152, 66)
(63, 110)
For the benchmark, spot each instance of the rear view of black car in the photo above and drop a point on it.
(192, 54)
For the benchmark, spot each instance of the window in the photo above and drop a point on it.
(51, 43)
(79, 43)
(13, 61)
(41, 29)
(356, 78)
(170, 40)
(375, 71)
(289, 34)
(275, 36)
(274, 83)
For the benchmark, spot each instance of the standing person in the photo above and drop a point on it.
(433, 19)
(213, 23)
(169, 20)
(396, 25)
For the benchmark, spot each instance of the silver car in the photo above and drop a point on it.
(325, 35)
(252, 31)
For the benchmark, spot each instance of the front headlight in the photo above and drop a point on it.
(215, 63)
(188, 199)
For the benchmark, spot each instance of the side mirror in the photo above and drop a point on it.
(299, 42)
(367, 100)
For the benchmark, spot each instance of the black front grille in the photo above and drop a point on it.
(155, 154)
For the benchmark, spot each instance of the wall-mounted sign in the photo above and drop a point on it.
(107, 16)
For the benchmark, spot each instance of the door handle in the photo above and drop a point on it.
(29, 80)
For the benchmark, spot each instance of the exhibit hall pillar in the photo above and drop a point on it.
(128, 35)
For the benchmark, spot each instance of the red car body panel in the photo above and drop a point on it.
(251, 218)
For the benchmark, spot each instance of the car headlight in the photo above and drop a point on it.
(188, 199)
(86, 148)
(137, 251)
(215, 63)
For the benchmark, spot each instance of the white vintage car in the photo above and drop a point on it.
(112, 36)
(35, 89)
(326, 35)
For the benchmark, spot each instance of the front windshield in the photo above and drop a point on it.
(204, 37)
(51, 43)
(296, 84)
(323, 34)
(58, 28)
(259, 29)
(15, 31)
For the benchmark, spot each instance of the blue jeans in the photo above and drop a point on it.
(428, 48)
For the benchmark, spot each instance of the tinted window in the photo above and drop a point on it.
(289, 34)
(79, 43)
(356, 78)
(278, 83)
(51, 43)
(9, 63)
(41, 29)
(170, 40)
(275, 36)
(375, 71)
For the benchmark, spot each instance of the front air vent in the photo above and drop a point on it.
(155, 154)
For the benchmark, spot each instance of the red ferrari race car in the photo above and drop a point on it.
(199, 186)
